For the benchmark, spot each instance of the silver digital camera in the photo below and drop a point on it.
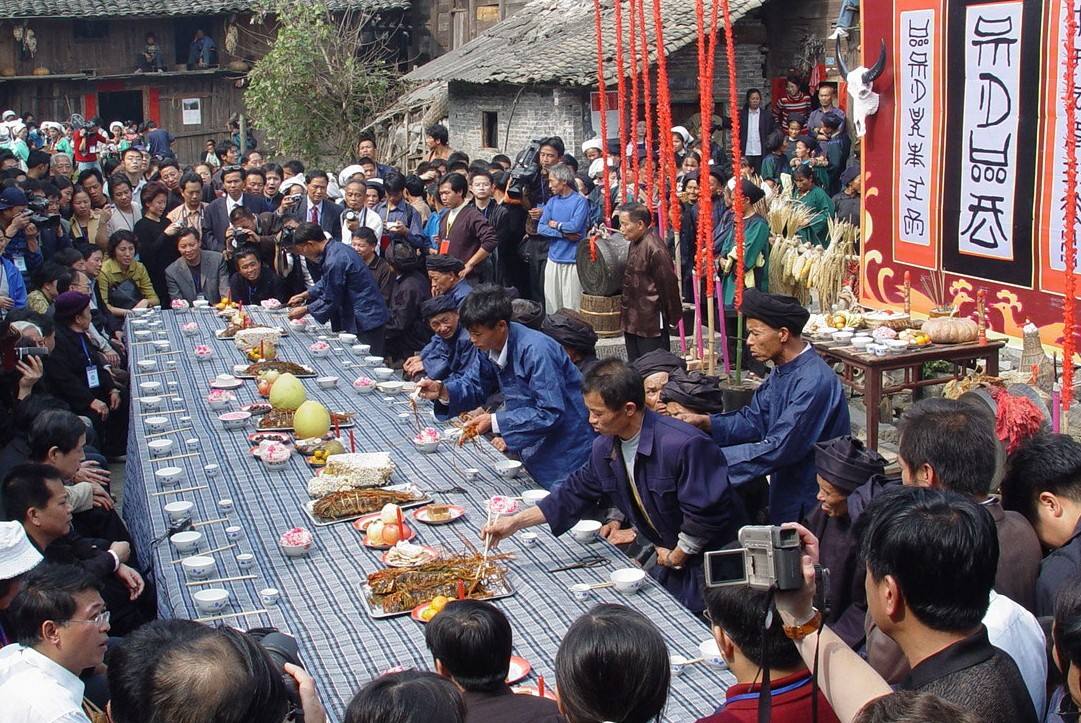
(769, 558)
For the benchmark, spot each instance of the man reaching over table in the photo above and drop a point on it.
(667, 479)
(800, 403)
(543, 420)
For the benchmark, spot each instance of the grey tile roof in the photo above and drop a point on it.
(153, 8)
(553, 41)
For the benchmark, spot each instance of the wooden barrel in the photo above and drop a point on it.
(603, 277)
(603, 312)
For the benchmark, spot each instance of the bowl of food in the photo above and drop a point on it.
(295, 542)
(274, 454)
(202, 352)
(159, 447)
(186, 542)
(234, 420)
(370, 360)
(326, 382)
(219, 399)
(507, 468)
(427, 441)
(364, 385)
(270, 304)
(383, 373)
(169, 476)
(361, 350)
(156, 424)
(628, 579)
(502, 506)
(190, 329)
(150, 388)
(319, 349)
(531, 497)
(179, 305)
(198, 567)
(211, 601)
(298, 325)
(179, 511)
(586, 530)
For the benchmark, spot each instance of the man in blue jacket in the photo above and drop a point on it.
(543, 420)
(800, 403)
(346, 292)
(665, 478)
(563, 221)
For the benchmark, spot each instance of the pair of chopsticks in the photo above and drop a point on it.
(162, 414)
(230, 546)
(235, 578)
(179, 490)
(596, 586)
(166, 434)
(227, 616)
(484, 558)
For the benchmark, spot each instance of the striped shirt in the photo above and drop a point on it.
(785, 107)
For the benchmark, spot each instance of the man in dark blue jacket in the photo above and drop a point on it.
(543, 421)
(346, 292)
(666, 478)
(449, 356)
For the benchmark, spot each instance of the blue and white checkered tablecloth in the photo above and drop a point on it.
(320, 600)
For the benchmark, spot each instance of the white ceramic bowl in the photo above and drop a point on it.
(347, 338)
(269, 596)
(320, 353)
(146, 364)
(585, 530)
(507, 468)
(528, 538)
(327, 382)
(211, 601)
(362, 349)
(861, 342)
(370, 360)
(676, 663)
(878, 349)
(198, 567)
(211, 470)
(427, 447)
(159, 447)
(364, 389)
(298, 325)
(711, 654)
(190, 332)
(161, 345)
(628, 579)
(234, 420)
(179, 511)
(279, 464)
(143, 333)
(383, 373)
(896, 346)
(149, 387)
(390, 387)
(233, 532)
(843, 337)
(168, 476)
(156, 424)
(240, 368)
(204, 355)
(150, 404)
(245, 560)
(531, 497)
(200, 304)
(219, 404)
(581, 591)
(295, 550)
(186, 542)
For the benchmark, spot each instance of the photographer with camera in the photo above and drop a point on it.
(666, 479)
(21, 238)
(179, 670)
(931, 558)
(88, 141)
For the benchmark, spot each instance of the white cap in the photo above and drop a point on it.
(594, 143)
(8, 115)
(17, 555)
(347, 173)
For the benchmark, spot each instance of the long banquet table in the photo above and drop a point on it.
(320, 600)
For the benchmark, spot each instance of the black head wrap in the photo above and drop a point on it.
(751, 191)
(775, 310)
(437, 305)
(405, 257)
(570, 329)
(444, 263)
(527, 312)
(846, 464)
(658, 360)
(694, 390)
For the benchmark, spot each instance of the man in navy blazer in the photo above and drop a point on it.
(217, 213)
(316, 208)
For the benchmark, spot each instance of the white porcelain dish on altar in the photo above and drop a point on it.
(711, 654)
(347, 338)
(159, 447)
(369, 360)
(896, 346)
(149, 387)
(383, 373)
(226, 381)
(211, 601)
(298, 325)
(179, 511)
(585, 530)
(150, 404)
(186, 542)
(842, 337)
(363, 385)
(146, 365)
(362, 349)
(327, 382)
(531, 497)
(628, 579)
(200, 304)
(391, 387)
(198, 567)
(507, 468)
(169, 476)
(156, 424)
(861, 342)
(234, 420)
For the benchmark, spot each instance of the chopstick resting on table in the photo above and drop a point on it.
(230, 546)
(235, 578)
(231, 615)
(179, 490)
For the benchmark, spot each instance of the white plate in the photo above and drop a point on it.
(235, 384)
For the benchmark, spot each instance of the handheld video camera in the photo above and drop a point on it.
(39, 212)
(768, 558)
(282, 649)
(524, 172)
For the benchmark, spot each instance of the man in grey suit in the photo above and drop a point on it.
(196, 273)
(316, 208)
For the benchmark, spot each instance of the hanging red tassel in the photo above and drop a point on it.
(668, 149)
(647, 98)
(706, 52)
(738, 200)
(621, 93)
(602, 86)
(635, 99)
(1070, 234)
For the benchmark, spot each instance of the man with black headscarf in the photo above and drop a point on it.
(849, 477)
(800, 403)
(407, 332)
(450, 356)
(576, 335)
(444, 276)
(692, 391)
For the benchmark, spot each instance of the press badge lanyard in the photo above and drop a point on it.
(773, 693)
(92, 380)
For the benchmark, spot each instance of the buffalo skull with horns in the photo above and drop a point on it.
(865, 100)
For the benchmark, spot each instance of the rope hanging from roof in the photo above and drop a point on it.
(1070, 232)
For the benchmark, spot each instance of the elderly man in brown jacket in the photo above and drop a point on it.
(650, 290)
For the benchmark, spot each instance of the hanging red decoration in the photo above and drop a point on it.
(664, 122)
(635, 98)
(706, 52)
(621, 95)
(738, 199)
(1070, 233)
(648, 182)
(602, 88)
